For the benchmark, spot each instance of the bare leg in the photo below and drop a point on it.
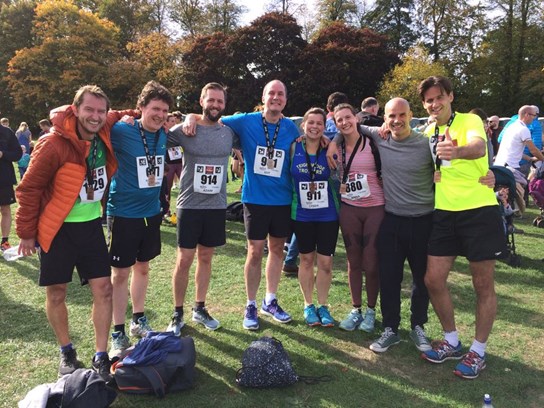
(180, 276)
(252, 267)
(57, 313)
(438, 269)
(5, 224)
(274, 263)
(203, 272)
(138, 286)
(119, 280)
(323, 278)
(101, 289)
(483, 274)
(306, 276)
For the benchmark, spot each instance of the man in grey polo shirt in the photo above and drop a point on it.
(202, 202)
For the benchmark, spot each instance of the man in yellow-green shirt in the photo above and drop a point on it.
(466, 222)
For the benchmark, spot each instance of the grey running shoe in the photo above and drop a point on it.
(352, 320)
(119, 343)
(176, 325)
(388, 338)
(420, 339)
(369, 320)
(141, 328)
(69, 362)
(201, 315)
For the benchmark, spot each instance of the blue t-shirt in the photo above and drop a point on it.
(130, 196)
(300, 174)
(257, 188)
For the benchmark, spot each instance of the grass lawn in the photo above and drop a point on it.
(399, 377)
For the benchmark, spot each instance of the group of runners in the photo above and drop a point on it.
(397, 195)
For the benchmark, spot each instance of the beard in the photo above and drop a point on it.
(211, 117)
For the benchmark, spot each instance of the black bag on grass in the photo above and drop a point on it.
(235, 211)
(265, 364)
(175, 372)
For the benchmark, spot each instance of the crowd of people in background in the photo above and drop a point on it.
(396, 194)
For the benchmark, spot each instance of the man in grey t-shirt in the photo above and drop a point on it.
(202, 202)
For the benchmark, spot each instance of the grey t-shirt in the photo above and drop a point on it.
(206, 155)
(407, 173)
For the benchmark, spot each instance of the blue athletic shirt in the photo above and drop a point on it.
(126, 198)
(299, 172)
(259, 189)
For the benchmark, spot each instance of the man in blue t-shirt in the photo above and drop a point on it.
(134, 214)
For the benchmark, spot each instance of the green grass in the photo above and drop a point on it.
(514, 377)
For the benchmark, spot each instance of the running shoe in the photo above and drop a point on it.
(176, 325)
(141, 328)
(251, 320)
(470, 366)
(352, 321)
(119, 343)
(369, 321)
(201, 315)
(420, 339)
(310, 316)
(102, 367)
(275, 311)
(324, 315)
(69, 362)
(388, 338)
(443, 351)
(4, 246)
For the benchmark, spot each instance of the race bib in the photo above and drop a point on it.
(356, 187)
(266, 166)
(175, 153)
(313, 195)
(153, 178)
(100, 180)
(208, 179)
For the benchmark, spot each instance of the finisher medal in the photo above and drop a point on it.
(151, 180)
(90, 193)
(343, 188)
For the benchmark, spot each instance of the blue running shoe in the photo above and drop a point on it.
(310, 316)
(470, 366)
(251, 320)
(353, 320)
(324, 315)
(275, 311)
(443, 351)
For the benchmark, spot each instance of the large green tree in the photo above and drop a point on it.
(330, 11)
(72, 47)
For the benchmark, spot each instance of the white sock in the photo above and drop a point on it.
(452, 338)
(478, 347)
(269, 298)
(251, 302)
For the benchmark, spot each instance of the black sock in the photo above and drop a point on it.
(4, 239)
(199, 305)
(179, 311)
(358, 307)
(119, 328)
(136, 316)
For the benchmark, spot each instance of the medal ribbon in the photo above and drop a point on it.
(150, 157)
(270, 144)
(311, 166)
(348, 167)
(437, 160)
(90, 166)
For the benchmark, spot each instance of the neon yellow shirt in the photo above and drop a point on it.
(459, 188)
(84, 209)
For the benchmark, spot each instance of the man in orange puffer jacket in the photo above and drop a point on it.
(59, 209)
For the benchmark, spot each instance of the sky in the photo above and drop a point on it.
(255, 9)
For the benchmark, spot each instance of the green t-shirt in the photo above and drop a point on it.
(86, 209)
(459, 188)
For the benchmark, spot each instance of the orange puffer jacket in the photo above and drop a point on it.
(55, 175)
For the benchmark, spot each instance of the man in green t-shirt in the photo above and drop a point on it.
(466, 222)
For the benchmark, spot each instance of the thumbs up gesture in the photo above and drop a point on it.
(445, 149)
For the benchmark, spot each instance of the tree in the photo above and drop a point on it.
(15, 33)
(72, 48)
(345, 59)
(403, 79)
(189, 15)
(394, 19)
(223, 16)
(331, 11)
